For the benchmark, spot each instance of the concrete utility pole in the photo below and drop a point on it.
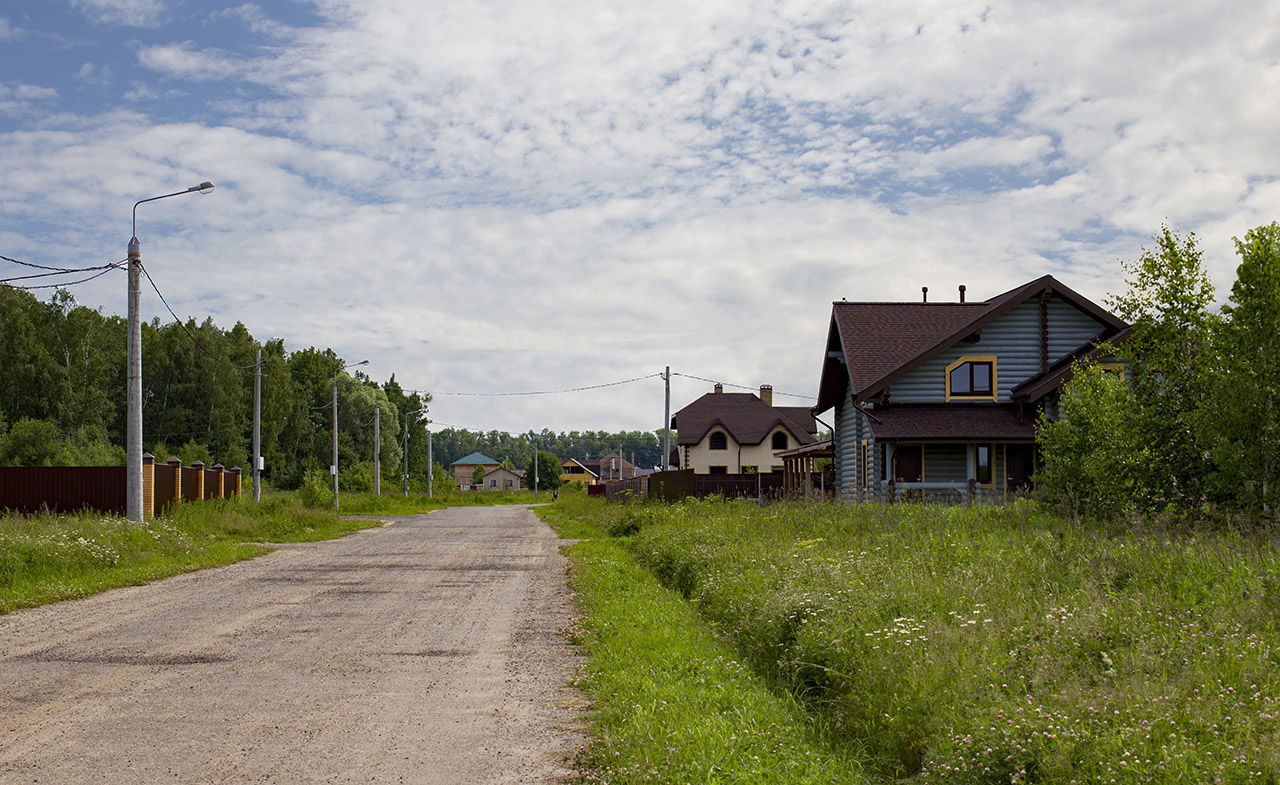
(431, 465)
(133, 366)
(666, 424)
(405, 449)
(333, 467)
(257, 428)
(377, 451)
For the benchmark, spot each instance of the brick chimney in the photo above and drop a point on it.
(766, 394)
(719, 388)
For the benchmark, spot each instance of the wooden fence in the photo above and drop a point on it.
(29, 489)
(672, 486)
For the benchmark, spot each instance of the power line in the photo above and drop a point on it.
(741, 387)
(183, 325)
(538, 392)
(59, 269)
(104, 269)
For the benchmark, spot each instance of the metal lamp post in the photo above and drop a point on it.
(133, 391)
(334, 467)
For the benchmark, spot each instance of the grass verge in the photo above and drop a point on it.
(48, 558)
(990, 644)
(673, 705)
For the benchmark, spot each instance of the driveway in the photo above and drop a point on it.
(423, 651)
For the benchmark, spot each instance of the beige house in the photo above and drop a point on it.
(501, 479)
(739, 433)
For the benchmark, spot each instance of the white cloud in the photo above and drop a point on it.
(184, 61)
(499, 197)
(8, 32)
(133, 13)
(20, 99)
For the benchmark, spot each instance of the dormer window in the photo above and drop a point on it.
(972, 378)
(718, 441)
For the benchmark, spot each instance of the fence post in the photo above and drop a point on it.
(199, 467)
(148, 485)
(219, 481)
(176, 464)
(233, 482)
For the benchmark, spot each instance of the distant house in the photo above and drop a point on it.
(573, 470)
(464, 468)
(739, 433)
(501, 479)
(944, 397)
(592, 471)
(612, 466)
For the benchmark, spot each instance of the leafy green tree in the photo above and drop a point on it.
(548, 472)
(34, 443)
(1168, 304)
(477, 476)
(1094, 453)
(1244, 422)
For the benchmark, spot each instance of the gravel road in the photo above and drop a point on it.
(423, 651)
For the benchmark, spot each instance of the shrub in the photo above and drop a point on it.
(317, 489)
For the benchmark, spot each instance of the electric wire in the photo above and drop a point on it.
(185, 329)
(538, 392)
(60, 269)
(104, 269)
(741, 386)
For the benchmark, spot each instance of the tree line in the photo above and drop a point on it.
(451, 444)
(62, 402)
(1192, 429)
(62, 397)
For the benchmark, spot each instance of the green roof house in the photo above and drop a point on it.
(464, 469)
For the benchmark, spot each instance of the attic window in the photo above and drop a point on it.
(972, 378)
(779, 441)
(718, 441)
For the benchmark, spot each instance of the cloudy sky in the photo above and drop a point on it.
(493, 197)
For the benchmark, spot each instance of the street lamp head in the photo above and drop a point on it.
(203, 188)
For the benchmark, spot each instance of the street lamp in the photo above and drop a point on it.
(334, 467)
(133, 390)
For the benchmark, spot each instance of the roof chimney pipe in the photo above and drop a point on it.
(766, 394)
(961, 292)
(719, 388)
(924, 290)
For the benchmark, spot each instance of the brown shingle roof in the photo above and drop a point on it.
(953, 423)
(744, 416)
(880, 341)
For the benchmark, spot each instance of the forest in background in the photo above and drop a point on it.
(62, 402)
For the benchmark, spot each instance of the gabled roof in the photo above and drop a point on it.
(594, 472)
(743, 416)
(871, 344)
(1063, 370)
(476, 458)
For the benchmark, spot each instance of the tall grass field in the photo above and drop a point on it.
(985, 644)
(50, 557)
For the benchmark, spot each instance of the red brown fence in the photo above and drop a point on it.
(672, 486)
(29, 489)
(62, 488)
